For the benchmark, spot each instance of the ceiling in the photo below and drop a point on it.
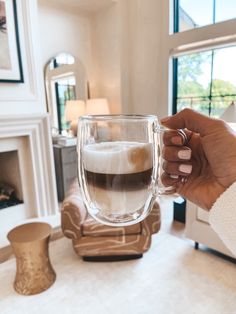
(83, 5)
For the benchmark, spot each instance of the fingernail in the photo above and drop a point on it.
(185, 168)
(177, 140)
(173, 176)
(163, 120)
(184, 154)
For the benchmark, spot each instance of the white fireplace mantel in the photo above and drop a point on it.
(37, 170)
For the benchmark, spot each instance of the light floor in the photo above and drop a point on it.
(171, 278)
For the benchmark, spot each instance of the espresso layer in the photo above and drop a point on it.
(120, 182)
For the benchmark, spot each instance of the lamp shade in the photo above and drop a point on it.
(74, 109)
(229, 115)
(97, 106)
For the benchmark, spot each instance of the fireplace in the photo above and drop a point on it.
(10, 180)
(26, 163)
(16, 171)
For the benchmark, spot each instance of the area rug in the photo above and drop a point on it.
(171, 277)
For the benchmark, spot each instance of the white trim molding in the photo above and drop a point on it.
(37, 168)
(203, 38)
(28, 96)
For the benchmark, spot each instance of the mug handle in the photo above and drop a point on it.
(162, 190)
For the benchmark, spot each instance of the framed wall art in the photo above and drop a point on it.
(10, 55)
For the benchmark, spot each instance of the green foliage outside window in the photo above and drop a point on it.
(214, 97)
(66, 92)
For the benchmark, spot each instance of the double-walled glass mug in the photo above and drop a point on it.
(119, 163)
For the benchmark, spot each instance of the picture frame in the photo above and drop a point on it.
(11, 70)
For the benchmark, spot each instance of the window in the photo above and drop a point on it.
(64, 90)
(60, 60)
(206, 81)
(193, 14)
(203, 53)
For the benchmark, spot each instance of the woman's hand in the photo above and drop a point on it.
(200, 156)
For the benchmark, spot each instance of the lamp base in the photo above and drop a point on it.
(73, 128)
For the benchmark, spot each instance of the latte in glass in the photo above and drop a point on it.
(118, 176)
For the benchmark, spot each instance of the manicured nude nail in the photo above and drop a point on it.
(185, 168)
(184, 154)
(173, 176)
(177, 140)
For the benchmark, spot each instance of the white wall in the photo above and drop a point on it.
(62, 30)
(106, 52)
(93, 38)
(141, 62)
(127, 52)
(126, 39)
(27, 97)
(121, 47)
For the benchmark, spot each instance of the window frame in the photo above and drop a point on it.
(218, 35)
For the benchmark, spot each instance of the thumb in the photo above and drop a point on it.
(189, 119)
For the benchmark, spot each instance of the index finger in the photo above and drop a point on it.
(174, 137)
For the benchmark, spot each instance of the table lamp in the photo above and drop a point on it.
(97, 106)
(73, 110)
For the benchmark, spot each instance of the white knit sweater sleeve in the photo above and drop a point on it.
(222, 217)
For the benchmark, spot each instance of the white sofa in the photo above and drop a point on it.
(197, 228)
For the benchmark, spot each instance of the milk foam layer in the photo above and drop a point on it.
(117, 157)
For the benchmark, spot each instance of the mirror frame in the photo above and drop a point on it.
(64, 70)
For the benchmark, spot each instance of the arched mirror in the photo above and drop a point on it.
(65, 79)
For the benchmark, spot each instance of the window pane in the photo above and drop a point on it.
(199, 13)
(65, 91)
(194, 76)
(206, 81)
(224, 79)
(225, 10)
(191, 14)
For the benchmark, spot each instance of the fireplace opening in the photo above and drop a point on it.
(10, 180)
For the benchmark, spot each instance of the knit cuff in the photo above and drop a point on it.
(222, 217)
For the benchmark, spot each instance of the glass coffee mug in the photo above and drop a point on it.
(119, 163)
